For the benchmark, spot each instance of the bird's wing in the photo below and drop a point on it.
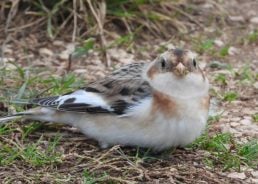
(114, 94)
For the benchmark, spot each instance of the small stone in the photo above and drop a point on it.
(237, 175)
(234, 124)
(237, 18)
(173, 169)
(64, 55)
(236, 119)
(45, 52)
(218, 43)
(70, 47)
(79, 71)
(58, 43)
(255, 174)
(246, 122)
(195, 164)
(170, 46)
(254, 20)
(232, 51)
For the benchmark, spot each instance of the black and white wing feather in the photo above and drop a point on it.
(114, 94)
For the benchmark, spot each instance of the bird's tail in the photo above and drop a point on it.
(39, 114)
(6, 119)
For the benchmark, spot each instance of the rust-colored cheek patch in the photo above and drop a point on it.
(164, 104)
(205, 103)
(151, 72)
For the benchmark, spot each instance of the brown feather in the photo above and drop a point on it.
(164, 104)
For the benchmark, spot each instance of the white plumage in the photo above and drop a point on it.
(158, 105)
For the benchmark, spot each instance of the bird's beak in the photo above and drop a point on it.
(180, 70)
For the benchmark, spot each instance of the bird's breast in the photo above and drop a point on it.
(164, 104)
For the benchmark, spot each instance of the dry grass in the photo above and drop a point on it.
(120, 20)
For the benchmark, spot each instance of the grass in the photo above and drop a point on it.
(124, 14)
(89, 178)
(85, 48)
(224, 51)
(252, 37)
(224, 151)
(35, 154)
(27, 86)
(230, 96)
(255, 117)
(221, 79)
(204, 45)
(246, 74)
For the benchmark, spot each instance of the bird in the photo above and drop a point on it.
(159, 104)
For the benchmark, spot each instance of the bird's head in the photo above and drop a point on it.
(177, 73)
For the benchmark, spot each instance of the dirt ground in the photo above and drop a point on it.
(82, 161)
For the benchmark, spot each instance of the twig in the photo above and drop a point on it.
(69, 63)
(26, 25)
(186, 15)
(100, 23)
(11, 14)
(74, 20)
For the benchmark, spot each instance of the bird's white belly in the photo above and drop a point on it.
(159, 133)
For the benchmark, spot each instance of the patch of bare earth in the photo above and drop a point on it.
(46, 58)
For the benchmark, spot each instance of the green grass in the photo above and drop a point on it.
(35, 154)
(85, 48)
(203, 46)
(255, 117)
(225, 152)
(221, 79)
(230, 96)
(214, 119)
(24, 86)
(224, 51)
(88, 178)
(252, 37)
(246, 73)
(91, 178)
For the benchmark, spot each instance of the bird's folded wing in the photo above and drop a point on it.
(114, 94)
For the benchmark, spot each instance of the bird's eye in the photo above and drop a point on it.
(194, 63)
(163, 63)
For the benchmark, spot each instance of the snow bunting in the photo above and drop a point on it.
(159, 105)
